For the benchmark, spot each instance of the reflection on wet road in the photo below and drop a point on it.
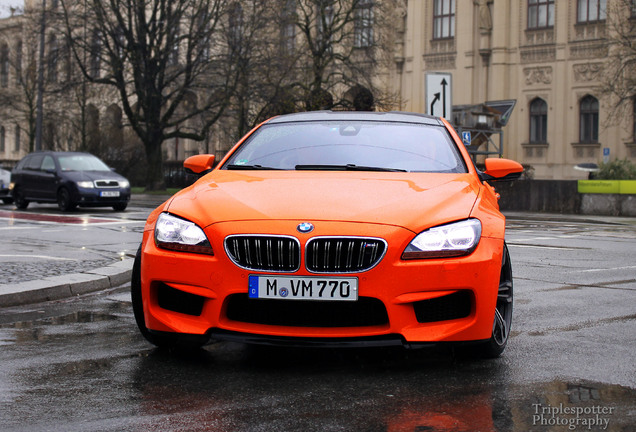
(80, 365)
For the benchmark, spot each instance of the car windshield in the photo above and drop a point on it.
(82, 163)
(349, 145)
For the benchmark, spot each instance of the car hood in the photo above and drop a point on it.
(412, 201)
(92, 175)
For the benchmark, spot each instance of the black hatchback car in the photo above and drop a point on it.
(69, 178)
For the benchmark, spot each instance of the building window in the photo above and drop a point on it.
(588, 118)
(18, 61)
(363, 24)
(540, 14)
(17, 139)
(443, 19)
(173, 57)
(538, 121)
(325, 16)
(96, 55)
(1, 139)
(634, 121)
(67, 60)
(236, 26)
(288, 27)
(4, 65)
(591, 11)
(54, 52)
(204, 28)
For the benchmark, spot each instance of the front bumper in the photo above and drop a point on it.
(400, 302)
(101, 197)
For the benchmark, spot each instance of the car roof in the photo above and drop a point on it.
(59, 153)
(392, 116)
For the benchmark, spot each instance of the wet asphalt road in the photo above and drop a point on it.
(80, 364)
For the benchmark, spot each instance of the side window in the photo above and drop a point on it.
(34, 163)
(48, 163)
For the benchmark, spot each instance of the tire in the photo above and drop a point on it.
(159, 339)
(120, 206)
(20, 201)
(64, 201)
(496, 345)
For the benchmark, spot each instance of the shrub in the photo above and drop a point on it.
(618, 169)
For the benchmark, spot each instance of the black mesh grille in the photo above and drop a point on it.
(343, 254)
(269, 253)
(300, 313)
(107, 183)
(452, 306)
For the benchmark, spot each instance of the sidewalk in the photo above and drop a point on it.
(119, 272)
(25, 290)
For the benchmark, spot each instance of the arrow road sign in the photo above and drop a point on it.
(439, 100)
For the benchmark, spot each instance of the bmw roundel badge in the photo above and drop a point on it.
(305, 227)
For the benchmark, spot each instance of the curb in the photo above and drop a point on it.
(65, 286)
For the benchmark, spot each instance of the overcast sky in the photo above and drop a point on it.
(5, 4)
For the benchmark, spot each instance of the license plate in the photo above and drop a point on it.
(109, 194)
(303, 288)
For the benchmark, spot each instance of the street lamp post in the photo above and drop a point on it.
(39, 102)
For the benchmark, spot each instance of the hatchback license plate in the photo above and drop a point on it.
(303, 288)
(109, 194)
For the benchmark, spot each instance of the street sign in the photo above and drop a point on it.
(466, 138)
(606, 154)
(439, 95)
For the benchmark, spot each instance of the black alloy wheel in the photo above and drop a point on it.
(64, 201)
(21, 202)
(496, 345)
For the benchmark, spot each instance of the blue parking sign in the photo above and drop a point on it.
(466, 137)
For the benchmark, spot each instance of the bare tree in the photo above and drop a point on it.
(295, 55)
(345, 45)
(167, 60)
(266, 66)
(19, 76)
(618, 79)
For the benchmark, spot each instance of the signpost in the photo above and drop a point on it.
(439, 95)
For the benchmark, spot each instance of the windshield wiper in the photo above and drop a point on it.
(250, 167)
(347, 167)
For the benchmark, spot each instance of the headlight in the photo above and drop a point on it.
(454, 239)
(86, 184)
(180, 235)
(124, 184)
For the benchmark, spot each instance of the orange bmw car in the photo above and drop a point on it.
(331, 229)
